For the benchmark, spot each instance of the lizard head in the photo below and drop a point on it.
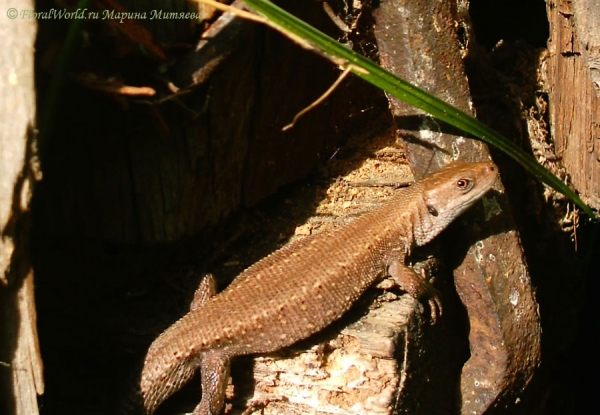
(449, 192)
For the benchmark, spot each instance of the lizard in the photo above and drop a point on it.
(303, 287)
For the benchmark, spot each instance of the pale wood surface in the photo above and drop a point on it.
(21, 379)
(574, 99)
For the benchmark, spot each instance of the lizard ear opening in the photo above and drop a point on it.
(431, 209)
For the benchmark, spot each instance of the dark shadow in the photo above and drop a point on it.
(509, 20)
(100, 302)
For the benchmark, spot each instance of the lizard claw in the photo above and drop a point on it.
(417, 286)
(435, 305)
(432, 295)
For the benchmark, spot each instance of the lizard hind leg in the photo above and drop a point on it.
(214, 367)
(206, 289)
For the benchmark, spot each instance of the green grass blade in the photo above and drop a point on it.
(399, 88)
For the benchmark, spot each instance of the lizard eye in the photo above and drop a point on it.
(464, 184)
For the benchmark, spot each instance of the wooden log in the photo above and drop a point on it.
(573, 85)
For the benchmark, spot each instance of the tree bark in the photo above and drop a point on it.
(419, 42)
(573, 84)
(21, 378)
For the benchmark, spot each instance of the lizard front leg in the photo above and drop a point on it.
(416, 286)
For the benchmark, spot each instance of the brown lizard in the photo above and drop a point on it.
(303, 287)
